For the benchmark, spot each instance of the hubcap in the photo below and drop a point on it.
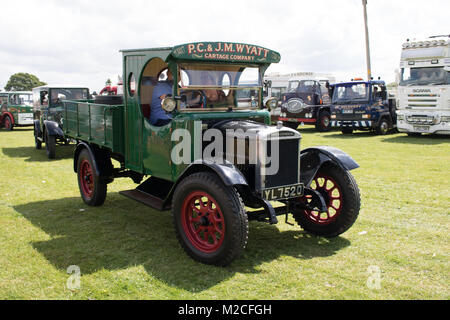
(203, 221)
(86, 178)
(332, 195)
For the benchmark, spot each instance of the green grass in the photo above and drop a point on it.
(128, 251)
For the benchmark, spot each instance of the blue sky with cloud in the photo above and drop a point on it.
(78, 42)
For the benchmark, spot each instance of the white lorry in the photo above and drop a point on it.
(423, 96)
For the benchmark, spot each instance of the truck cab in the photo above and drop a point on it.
(424, 87)
(306, 102)
(48, 115)
(362, 105)
(16, 109)
(214, 160)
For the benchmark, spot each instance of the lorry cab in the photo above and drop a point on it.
(306, 102)
(48, 115)
(16, 109)
(362, 105)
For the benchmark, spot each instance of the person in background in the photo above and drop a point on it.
(158, 117)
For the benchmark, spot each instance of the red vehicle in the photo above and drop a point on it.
(109, 91)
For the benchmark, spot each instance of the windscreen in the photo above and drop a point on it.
(57, 95)
(350, 93)
(23, 99)
(424, 76)
(219, 86)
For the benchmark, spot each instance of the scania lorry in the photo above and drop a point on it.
(424, 87)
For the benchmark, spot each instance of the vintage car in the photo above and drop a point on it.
(48, 115)
(16, 109)
(216, 162)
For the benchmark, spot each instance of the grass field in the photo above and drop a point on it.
(128, 251)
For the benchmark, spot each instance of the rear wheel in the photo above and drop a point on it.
(341, 195)
(347, 131)
(323, 121)
(209, 218)
(7, 123)
(92, 190)
(50, 145)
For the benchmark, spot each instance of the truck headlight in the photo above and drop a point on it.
(366, 116)
(333, 116)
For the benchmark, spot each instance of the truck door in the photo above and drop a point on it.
(133, 117)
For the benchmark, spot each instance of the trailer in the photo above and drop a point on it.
(217, 162)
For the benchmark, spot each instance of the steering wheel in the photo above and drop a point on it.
(194, 95)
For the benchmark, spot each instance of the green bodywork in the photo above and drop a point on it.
(13, 104)
(125, 131)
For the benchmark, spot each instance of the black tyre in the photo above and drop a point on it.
(7, 123)
(292, 125)
(323, 121)
(37, 142)
(92, 190)
(341, 195)
(209, 218)
(50, 145)
(383, 127)
(347, 131)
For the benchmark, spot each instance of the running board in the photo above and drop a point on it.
(152, 192)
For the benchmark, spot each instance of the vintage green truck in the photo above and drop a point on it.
(16, 109)
(218, 162)
(48, 115)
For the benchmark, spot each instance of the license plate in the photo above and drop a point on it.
(286, 192)
(347, 111)
(422, 128)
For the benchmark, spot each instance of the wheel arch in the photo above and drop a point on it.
(311, 159)
(101, 160)
(53, 128)
(227, 173)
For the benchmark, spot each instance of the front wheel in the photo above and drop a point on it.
(341, 195)
(37, 142)
(7, 123)
(92, 189)
(209, 218)
(383, 127)
(50, 145)
(323, 121)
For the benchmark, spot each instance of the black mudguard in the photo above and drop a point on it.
(311, 159)
(227, 172)
(53, 129)
(101, 161)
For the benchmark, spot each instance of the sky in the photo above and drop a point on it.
(77, 42)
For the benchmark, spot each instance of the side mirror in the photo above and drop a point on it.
(168, 104)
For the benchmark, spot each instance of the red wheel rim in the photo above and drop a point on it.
(86, 178)
(332, 194)
(203, 221)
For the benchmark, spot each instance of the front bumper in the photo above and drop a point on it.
(367, 124)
